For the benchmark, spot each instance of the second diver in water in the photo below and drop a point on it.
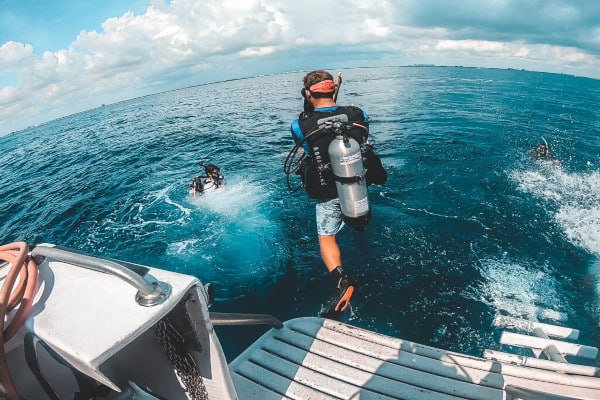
(212, 179)
(541, 152)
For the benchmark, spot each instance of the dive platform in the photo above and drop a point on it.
(314, 358)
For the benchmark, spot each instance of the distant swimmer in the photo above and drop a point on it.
(542, 152)
(212, 179)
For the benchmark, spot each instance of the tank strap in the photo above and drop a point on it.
(352, 179)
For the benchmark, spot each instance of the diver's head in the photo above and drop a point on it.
(319, 90)
(212, 171)
(542, 149)
(318, 84)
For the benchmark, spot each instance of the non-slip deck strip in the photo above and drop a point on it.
(313, 358)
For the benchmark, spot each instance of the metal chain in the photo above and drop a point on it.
(173, 345)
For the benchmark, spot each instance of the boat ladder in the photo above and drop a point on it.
(549, 344)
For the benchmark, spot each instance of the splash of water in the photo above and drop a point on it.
(523, 291)
(572, 198)
(229, 237)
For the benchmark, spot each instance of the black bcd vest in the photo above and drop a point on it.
(316, 173)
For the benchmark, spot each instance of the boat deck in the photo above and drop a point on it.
(315, 358)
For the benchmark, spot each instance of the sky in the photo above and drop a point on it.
(61, 57)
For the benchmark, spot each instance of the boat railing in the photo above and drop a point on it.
(548, 343)
(148, 293)
(230, 319)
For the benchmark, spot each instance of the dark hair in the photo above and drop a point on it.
(315, 77)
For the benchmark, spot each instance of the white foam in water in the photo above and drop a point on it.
(519, 291)
(197, 250)
(183, 246)
(229, 236)
(577, 197)
(582, 226)
(234, 200)
(552, 314)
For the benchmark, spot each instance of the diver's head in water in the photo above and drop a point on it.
(212, 171)
(213, 174)
(541, 150)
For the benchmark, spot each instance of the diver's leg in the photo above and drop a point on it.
(329, 223)
(330, 251)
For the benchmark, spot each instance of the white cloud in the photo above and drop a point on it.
(184, 42)
(471, 46)
(258, 51)
(522, 52)
(13, 54)
(374, 27)
(9, 95)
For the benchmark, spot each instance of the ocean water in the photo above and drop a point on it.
(467, 227)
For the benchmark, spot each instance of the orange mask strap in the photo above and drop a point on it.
(327, 86)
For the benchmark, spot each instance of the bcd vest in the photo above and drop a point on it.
(317, 175)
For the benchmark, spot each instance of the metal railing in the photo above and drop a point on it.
(228, 319)
(148, 293)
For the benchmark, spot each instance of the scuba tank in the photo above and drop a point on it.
(349, 174)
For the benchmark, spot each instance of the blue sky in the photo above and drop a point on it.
(62, 57)
(53, 25)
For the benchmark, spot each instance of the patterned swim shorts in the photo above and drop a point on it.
(329, 217)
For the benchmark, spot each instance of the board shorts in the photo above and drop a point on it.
(329, 217)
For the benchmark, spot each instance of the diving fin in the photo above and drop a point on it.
(340, 301)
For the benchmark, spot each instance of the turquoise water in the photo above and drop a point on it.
(468, 225)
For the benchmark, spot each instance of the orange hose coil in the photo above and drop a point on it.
(23, 267)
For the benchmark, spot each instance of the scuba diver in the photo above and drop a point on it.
(212, 179)
(331, 153)
(542, 152)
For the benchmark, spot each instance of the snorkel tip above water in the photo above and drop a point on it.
(338, 83)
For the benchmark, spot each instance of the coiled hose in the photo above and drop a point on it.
(14, 294)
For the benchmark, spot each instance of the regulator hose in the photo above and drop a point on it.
(12, 295)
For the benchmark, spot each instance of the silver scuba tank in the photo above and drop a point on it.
(350, 182)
